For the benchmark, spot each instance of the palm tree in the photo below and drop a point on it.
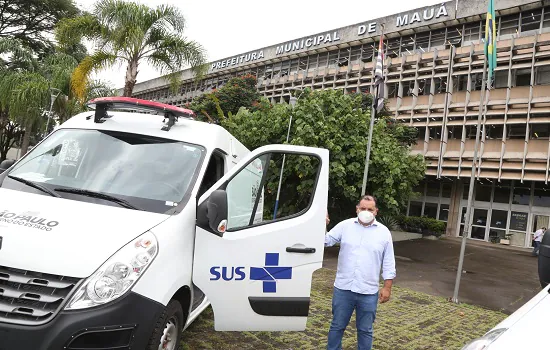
(26, 87)
(28, 92)
(130, 33)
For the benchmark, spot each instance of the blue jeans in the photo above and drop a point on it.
(343, 304)
(536, 248)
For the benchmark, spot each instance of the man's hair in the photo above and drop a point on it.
(368, 197)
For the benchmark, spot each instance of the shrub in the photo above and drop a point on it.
(389, 221)
(424, 225)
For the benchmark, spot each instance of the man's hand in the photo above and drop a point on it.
(384, 295)
(385, 292)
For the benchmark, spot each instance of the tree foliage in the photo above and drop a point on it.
(26, 86)
(130, 33)
(30, 21)
(236, 93)
(338, 122)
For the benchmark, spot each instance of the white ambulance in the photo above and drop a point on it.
(121, 227)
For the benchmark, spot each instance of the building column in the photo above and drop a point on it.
(454, 209)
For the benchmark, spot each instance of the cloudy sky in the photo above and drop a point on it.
(227, 28)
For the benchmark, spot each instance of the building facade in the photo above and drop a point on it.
(434, 68)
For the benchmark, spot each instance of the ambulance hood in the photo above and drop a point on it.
(64, 237)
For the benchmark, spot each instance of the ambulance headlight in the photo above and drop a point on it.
(485, 341)
(117, 275)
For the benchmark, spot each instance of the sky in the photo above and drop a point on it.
(227, 28)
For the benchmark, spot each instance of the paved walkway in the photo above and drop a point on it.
(496, 277)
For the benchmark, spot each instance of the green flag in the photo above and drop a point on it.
(490, 42)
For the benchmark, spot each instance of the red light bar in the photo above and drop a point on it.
(139, 104)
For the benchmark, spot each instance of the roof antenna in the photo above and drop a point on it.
(171, 121)
(101, 112)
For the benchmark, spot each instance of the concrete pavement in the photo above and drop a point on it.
(497, 278)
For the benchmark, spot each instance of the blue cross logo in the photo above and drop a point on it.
(270, 273)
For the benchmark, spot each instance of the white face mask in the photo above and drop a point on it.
(366, 217)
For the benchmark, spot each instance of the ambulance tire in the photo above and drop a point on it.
(171, 318)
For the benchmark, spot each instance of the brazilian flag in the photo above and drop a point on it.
(491, 41)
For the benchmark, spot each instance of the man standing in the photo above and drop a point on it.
(537, 238)
(366, 248)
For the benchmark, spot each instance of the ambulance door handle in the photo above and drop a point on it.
(304, 250)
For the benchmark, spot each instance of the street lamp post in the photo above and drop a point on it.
(53, 97)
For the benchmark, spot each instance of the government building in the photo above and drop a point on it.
(433, 68)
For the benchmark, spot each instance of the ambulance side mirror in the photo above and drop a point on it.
(544, 260)
(6, 164)
(213, 212)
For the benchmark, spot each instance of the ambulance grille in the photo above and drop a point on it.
(28, 297)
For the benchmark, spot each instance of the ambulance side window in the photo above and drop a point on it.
(272, 187)
(213, 173)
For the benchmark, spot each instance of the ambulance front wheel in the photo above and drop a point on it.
(168, 328)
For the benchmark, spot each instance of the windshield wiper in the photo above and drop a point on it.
(99, 195)
(34, 185)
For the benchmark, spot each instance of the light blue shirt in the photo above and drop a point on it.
(364, 251)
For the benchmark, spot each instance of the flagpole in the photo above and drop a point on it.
(371, 127)
(469, 209)
(378, 72)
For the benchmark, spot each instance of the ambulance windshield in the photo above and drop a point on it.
(146, 172)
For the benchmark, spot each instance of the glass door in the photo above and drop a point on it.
(518, 228)
(539, 221)
(479, 224)
(497, 231)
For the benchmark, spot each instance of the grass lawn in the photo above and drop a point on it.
(410, 320)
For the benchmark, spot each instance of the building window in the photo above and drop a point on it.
(539, 131)
(516, 131)
(479, 223)
(430, 210)
(432, 188)
(494, 131)
(541, 196)
(530, 20)
(355, 54)
(407, 45)
(444, 212)
(454, 37)
(522, 193)
(546, 22)
(446, 189)
(393, 89)
(542, 74)
(460, 82)
(483, 192)
(438, 38)
(509, 24)
(499, 219)
(421, 133)
(501, 79)
(523, 77)
(471, 31)
(424, 87)
(455, 132)
(435, 133)
(502, 192)
(422, 42)
(415, 209)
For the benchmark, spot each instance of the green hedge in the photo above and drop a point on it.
(426, 226)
